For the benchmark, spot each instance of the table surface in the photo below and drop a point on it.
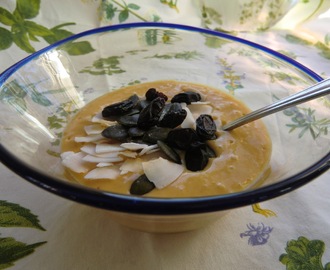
(39, 230)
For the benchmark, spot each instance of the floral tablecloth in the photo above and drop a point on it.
(39, 230)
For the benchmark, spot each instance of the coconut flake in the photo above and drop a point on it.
(93, 129)
(94, 159)
(75, 161)
(132, 165)
(103, 173)
(66, 154)
(88, 149)
(131, 177)
(104, 164)
(189, 121)
(162, 172)
(134, 146)
(148, 148)
(106, 148)
(200, 102)
(98, 118)
(129, 154)
(152, 151)
(108, 155)
(89, 138)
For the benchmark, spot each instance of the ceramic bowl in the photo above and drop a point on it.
(43, 91)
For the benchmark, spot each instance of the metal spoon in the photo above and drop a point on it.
(319, 89)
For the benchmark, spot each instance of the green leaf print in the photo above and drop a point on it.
(13, 93)
(78, 48)
(109, 66)
(124, 10)
(14, 215)
(22, 31)
(170, 4)
(110, 10)
(6, 39)
(304, 254)
(37, 29)
(133, 6)
(21, 39)
(152, 37)
(28, 8)
(11, 90)
(40, 99)
(297, 40)
(214, 42)
(12, 250)
(304, 119)
(210, 15)
(324, 49)
(57, 33)
(18, 104)
(186, 55)
(123, 15)
(6, 17)
(55, 122)
(73, 48)
(283, 76)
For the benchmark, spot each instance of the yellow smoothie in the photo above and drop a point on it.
(242, 155)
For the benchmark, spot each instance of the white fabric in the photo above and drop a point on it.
(82, 237)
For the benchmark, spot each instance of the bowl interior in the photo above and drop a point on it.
(40, 94)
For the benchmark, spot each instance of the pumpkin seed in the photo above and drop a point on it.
(209, 151)
(196, 159)
(149, 115)
(172, 115)
(186, 97)
(170, 152)
(117, 132)
(141, 185)
(156, 133)
(133, 111)
(135, 132)
(120, 108)
(182, 138)
(128, 120)
(143, 103)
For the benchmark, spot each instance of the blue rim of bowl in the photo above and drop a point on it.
(160, 206)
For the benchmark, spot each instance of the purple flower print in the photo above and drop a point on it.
(258, 235)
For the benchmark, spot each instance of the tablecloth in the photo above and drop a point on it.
(39, 230)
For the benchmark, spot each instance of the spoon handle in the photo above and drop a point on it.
(319, 89)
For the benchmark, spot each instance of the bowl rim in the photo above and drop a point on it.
(149, 205)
